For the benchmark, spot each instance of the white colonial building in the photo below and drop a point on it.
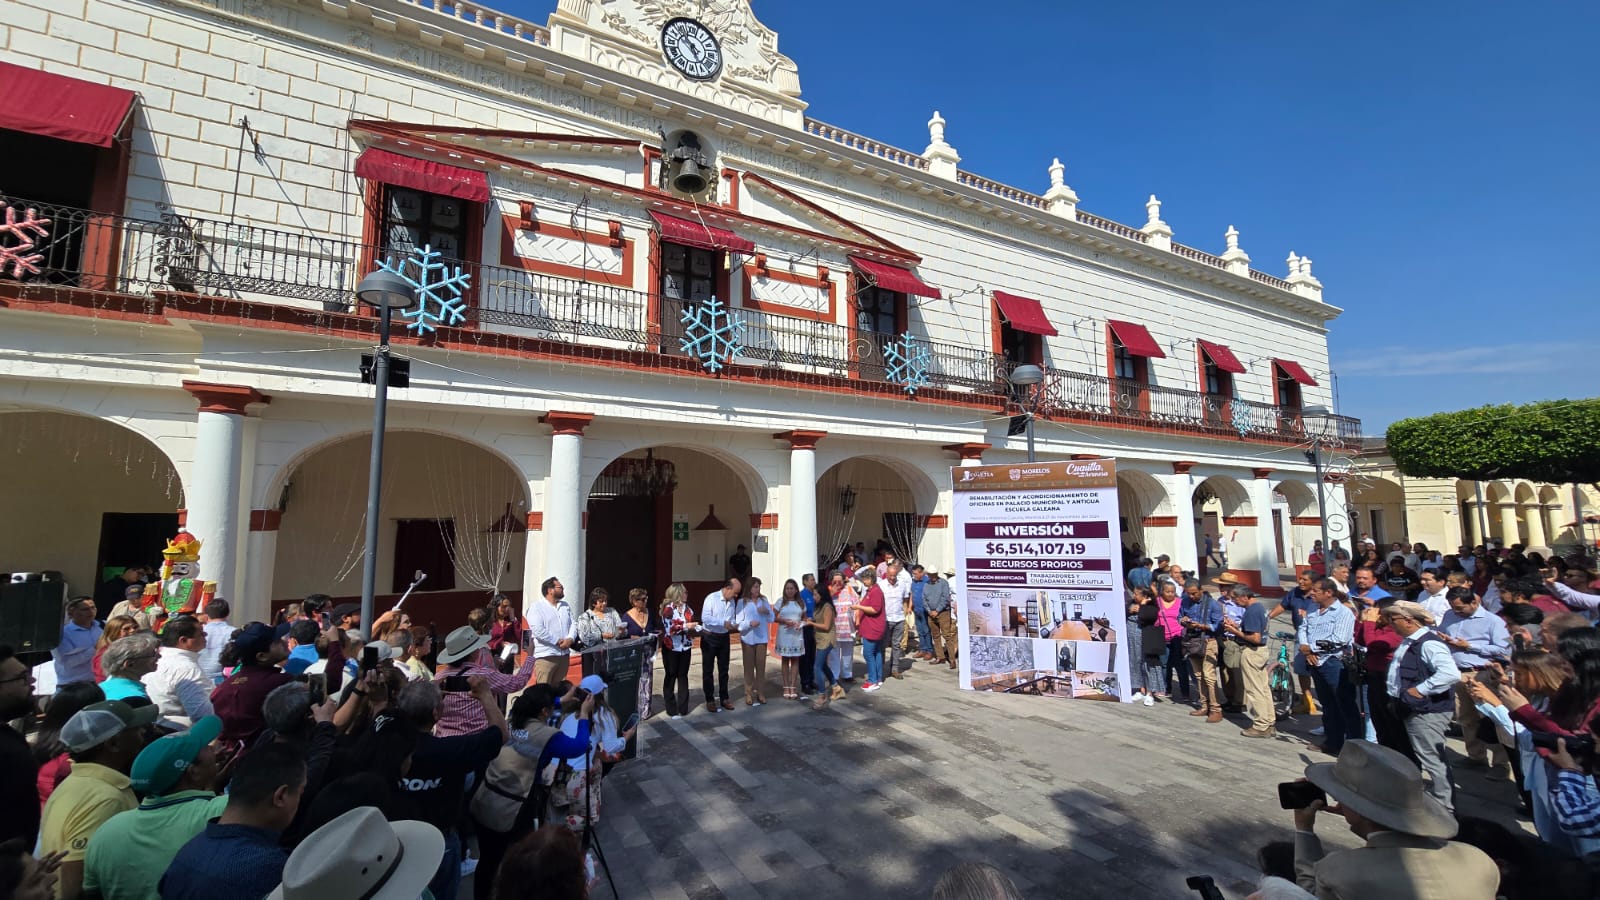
(690, 317)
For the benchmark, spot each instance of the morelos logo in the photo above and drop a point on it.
(1085, 468)
(1016, 474)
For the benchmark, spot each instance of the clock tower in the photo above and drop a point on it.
(712, 49)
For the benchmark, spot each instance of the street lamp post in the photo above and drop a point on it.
(1316, 420)
(1028, 375)
(388, 292)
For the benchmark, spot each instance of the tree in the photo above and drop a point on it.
(1554, 441)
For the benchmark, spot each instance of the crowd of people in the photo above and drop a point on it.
(1399, 650)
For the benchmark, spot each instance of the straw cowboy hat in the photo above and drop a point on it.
(462, 643)
(1226, 579)
(1384, 786)
(1412, 610)
(361, 854)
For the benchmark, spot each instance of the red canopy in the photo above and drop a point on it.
(1294, 370)
(894, 278)
(56, 106)
(1136, 339)
(1024, 313)
(697, 234)
(423, 175)
(1222, 357)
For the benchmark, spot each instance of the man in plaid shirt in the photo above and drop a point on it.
(466, 652)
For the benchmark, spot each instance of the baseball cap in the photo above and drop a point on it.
(594, 684)
(100, 722)
(252, 639)
(163, 761)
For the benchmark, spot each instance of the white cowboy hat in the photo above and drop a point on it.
(360, 854)
(1384, 786)
(462, 643)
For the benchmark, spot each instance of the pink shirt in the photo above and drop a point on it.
(1167, 618)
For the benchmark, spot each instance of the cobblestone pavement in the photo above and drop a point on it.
(882, 792)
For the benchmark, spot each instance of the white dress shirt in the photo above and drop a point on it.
(754, 621)
(178, 686)
(1435, 604)
(218, 633)
(894, 596)
(717, 613)
(550, 624)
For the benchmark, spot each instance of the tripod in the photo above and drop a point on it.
(590, 839)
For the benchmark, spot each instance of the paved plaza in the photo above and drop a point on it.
(882, 792)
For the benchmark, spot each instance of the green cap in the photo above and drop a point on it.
(164, 760)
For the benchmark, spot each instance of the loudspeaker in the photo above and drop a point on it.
(31, 614)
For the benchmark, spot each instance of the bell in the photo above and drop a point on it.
(690, 178)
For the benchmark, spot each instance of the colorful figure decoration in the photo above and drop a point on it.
(180, 589)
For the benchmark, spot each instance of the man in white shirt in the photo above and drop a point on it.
(178, 686)
(1469, 563)
(218, 633)
(1421, 681)
(1432, 597)
(718, 616)
(551, 625)
(896, 587)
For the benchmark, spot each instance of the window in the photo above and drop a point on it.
(878, 311)
(414, 219)
(688, 273)
(1020, 347)
(1125, 365)
(1288, 389)
(1218, 383)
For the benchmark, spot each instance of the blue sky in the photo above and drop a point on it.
(1436, 161)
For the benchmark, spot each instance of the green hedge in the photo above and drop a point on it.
(1554, 441)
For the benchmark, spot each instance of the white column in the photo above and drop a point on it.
(564, 502)
(1533, 514)
(1509, 533)
(254, 603)
(1474, 533)
(802, 524)
(971, 454)
(212, 497)
(1180, 497)
(1266, 542)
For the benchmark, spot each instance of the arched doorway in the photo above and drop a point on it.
(1502, 513)
(670, 513)
(1296, 522)
(1377, 509)
(870, 501)
(451, 508)
(86, 498)
(1148, 525)
(1530, 520)
(1223, 513)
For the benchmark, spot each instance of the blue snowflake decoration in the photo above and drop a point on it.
(711, 335)
(439, 289)
(908, 362)
(1243, 422)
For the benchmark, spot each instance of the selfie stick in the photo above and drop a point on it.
(421, 577)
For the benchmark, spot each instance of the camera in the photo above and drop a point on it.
(455, 684)
(1205, 886)
(1579, 745)
(1299, 794)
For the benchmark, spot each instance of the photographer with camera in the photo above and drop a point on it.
(1408, 853)
(1420, 684)
(466, 655)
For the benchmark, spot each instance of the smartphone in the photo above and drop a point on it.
(319, 688)
(369, 657)
(632, 721)
(455, 684)
(1299, 794)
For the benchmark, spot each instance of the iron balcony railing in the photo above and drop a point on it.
(70, 247)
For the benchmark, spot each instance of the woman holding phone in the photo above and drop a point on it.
(821, 623)
(578, 801)
(871, 626)
(755, 618)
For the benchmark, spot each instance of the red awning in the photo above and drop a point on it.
(1136, 339)
(695, 234)
(894, 278)
(1222, 357)
(423, 175)
(1294, 370)
(56, 106)
(1024, 314)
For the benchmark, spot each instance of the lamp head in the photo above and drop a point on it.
(1025, 375)
(382, 288)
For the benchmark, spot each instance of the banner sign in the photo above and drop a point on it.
(629, 670)
(1039, 559)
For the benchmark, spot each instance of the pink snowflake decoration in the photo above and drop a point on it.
(22, 233)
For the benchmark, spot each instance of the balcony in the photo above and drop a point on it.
(88, 253)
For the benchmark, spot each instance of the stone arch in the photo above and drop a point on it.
(1377, 507)
(754, 483)
(1301, 498)
(1146, 512)
(1228, 492)
(86, 492)
(1523, 492)
(1496, 491)
(430, 475)
(873, 498)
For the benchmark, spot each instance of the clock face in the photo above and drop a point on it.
(692, 49)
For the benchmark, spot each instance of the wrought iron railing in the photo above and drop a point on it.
(76, 248)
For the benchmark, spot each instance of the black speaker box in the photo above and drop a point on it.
(31, 614)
